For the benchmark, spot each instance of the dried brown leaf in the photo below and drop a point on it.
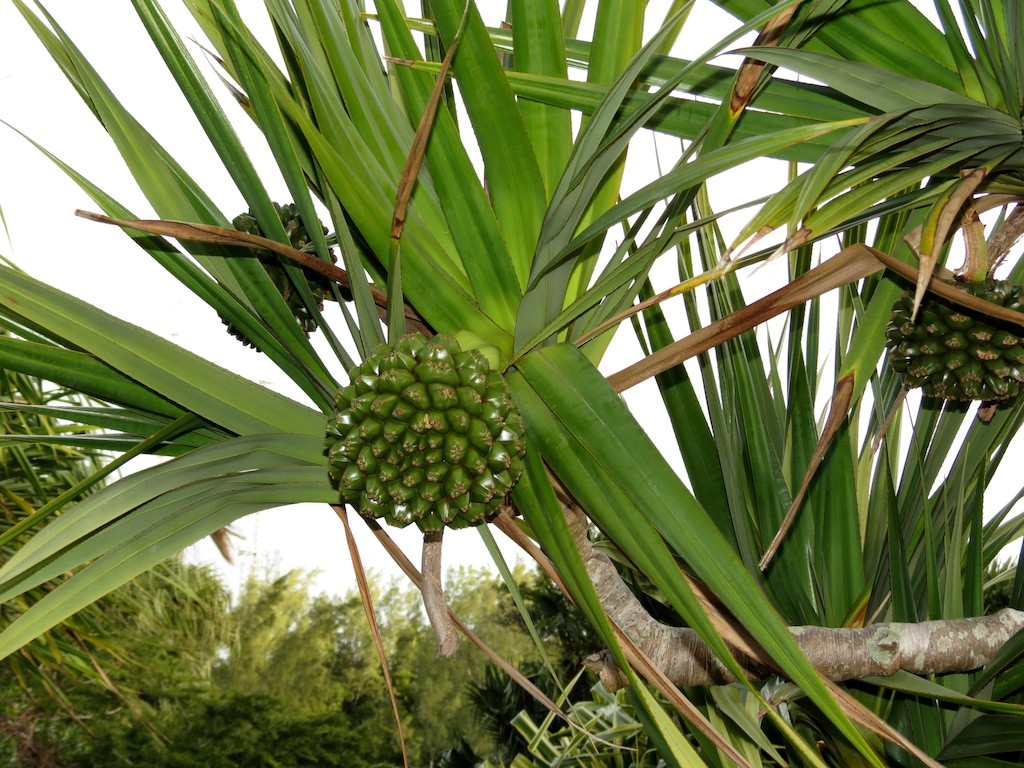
(933, 237)
(208, 233)
(840, 406)
(750, 70)
(371, 617)
(850, 264)
(418, 150)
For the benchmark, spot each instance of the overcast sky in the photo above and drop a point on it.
(100, 264)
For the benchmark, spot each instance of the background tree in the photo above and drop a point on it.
(783, 519)
(282, 677)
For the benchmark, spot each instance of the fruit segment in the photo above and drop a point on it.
(427, 433)
(955, 354)
(298, 236)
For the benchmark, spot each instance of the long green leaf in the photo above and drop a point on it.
(581, 410)
(111, 419)
(538, 47)
(146, 445)
(534, 493)
(514, 180)
(475, 230)
(71, 539)
(153, 533)
(213, 393)
(885, 90)
(226, 142)
(896, 35)
(688, 174)
(199, 282)
(82, 372)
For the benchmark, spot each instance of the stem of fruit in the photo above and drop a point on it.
(433, 595)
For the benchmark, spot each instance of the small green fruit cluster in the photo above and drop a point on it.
(955, 354)
(299, 237)
(427, 433)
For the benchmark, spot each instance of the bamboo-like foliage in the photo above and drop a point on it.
(46, 463)
(37, 462)
(533, 260)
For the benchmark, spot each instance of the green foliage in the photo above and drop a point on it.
(614, 736)
(153, 646)
(41, 684)
(999, 585)
(278, 677)
(878, 511)
(229, 731)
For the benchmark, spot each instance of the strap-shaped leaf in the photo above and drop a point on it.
(72, 539)
(237, 163)
(82, 372)
(482, 250)
(684, 117)
(194, 384)
(611, 508)
(897, 35)
(169, 189)
(690, 425)
(987, 735)
(227, 306)
(883, 89)
(704, 167)
(538, 47)
(535, 495)
(153, 532)
(597, 149)
(587, 434)
(174, 194)
(118, 442)
(514, 181)
(119, 419)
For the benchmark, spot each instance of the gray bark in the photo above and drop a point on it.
(929, 647)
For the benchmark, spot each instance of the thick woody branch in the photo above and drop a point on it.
(930, 647)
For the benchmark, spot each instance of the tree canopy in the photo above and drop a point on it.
(281, 676)
(436, 259)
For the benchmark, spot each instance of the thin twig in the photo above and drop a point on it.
(371, 617)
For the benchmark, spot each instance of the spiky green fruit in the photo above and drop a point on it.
(299, 237)
(427, 433)
(954, 353)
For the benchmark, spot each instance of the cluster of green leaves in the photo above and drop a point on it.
(153, 641)
(42, 460)
(280, 675)
(519, 259)
(616, 736)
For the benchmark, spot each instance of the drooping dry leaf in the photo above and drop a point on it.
(850, 264)
(371, 617)
(937, 226)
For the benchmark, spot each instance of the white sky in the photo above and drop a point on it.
(101, 265)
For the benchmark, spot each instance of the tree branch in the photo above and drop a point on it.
(929, 647)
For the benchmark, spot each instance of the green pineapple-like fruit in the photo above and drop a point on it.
(954, 353)
(299, 237)
(427, 433)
